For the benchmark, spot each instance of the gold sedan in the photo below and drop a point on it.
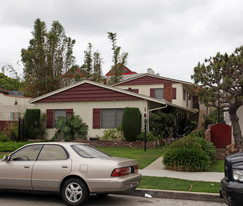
(74, 170)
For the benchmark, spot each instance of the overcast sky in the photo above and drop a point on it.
(169, 36)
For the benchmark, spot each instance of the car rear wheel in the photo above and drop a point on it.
(74, 192)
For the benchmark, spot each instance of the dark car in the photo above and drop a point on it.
(232, 184)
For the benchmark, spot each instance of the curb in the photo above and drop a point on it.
(197, 196)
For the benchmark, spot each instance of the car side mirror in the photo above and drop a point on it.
(6, 158)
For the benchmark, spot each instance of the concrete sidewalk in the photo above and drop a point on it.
(157, 169)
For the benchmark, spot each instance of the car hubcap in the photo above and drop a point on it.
(73, 192)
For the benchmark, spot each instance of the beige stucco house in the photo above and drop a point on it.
(12, 106)
(100, 106)
(180, 93)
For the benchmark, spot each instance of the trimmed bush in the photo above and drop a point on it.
(190, 154)
(131, 123)
(186, 159)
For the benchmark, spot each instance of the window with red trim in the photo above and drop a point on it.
(53, 114)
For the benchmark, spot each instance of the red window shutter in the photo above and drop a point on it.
(49, 118)
(69, 112)
(173, 93)
(96, 118)
(152, 92)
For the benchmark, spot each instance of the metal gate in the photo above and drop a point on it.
(221, 135)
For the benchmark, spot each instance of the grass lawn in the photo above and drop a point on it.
(218, 166)
(3, 154)
(165, 183)
(143, 158)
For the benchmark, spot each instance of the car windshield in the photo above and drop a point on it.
(88, 152)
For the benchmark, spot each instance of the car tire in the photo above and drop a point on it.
(74, 192)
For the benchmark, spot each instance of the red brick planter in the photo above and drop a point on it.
(100, 143)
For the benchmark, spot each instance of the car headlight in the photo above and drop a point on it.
(238, 175)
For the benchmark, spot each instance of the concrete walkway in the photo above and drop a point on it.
(157, 169)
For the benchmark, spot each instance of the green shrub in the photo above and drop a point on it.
(131, 123)
(162, 124)
(11, 146)
(112, 134)
(4, 137)
(71, 127)
(198, 133)
(33, 123)
(150, 137)
(186, 159)
(109, 134)
(11, 131)
(190, 154)
(208, 147)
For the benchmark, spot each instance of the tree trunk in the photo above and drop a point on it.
(236, 129)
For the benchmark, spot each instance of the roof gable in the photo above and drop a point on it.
(145, 80)
(74, 71)
(126, 71)
(86, 92)
(150, 79)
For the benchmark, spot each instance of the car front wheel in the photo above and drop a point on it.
(74, 192)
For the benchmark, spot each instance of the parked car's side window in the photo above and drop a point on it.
(53, 152)
(28, 153)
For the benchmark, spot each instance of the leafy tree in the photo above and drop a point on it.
(221, 81)
(48, 56)
(212, 118)
(92, 67)
(9, 83)
(119, 59)
(97, 62)
(87, 66)
(71, 127)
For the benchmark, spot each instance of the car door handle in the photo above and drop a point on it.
(64, 166)
(26, 166)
